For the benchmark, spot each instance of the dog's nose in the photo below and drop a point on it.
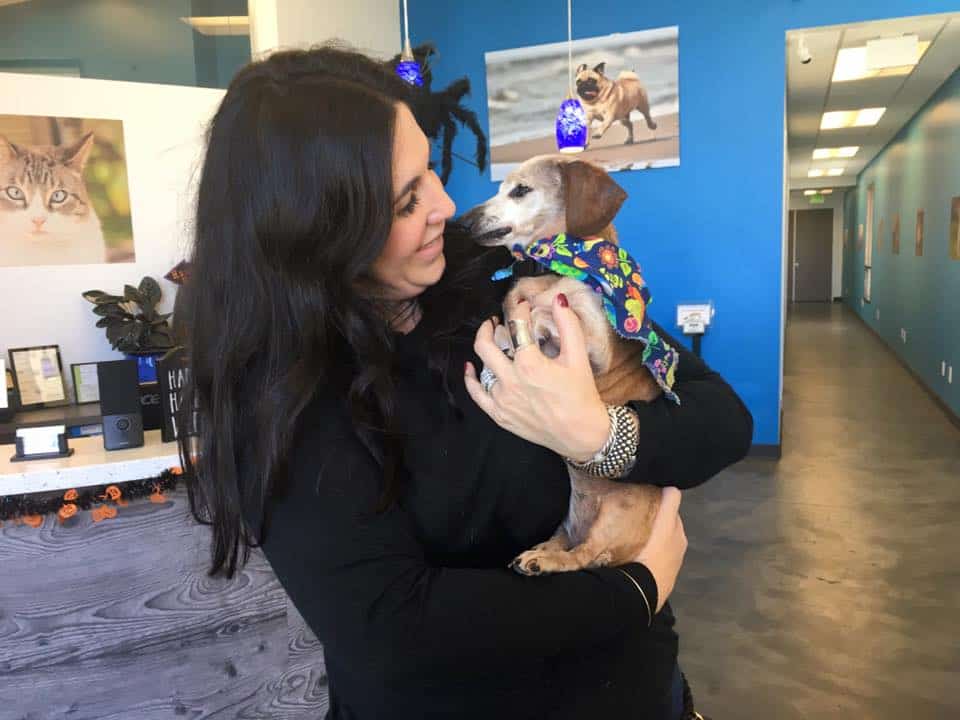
(468, 220)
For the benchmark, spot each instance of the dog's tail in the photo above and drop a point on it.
(628, 75)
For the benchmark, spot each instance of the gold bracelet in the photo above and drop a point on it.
(642, 594)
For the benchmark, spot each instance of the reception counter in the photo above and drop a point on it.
(118, 618)
(89, 465)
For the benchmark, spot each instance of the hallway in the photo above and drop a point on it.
(827, 585)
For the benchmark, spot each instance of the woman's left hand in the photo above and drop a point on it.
(550, 402)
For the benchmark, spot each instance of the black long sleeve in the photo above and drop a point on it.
(362, 582)
(686, 445)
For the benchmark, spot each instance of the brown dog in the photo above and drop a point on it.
(608, 522)
(610, 101)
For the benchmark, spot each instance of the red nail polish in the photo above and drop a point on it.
(562, 300)
(466, 368)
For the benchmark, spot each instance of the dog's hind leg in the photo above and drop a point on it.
(628, 124)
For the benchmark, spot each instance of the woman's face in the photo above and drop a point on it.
(412, 259)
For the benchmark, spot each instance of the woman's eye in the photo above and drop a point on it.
(520, 190)
(58, 197)
(14, 193)
(410, 206)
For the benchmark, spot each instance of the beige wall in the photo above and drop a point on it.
(369, 25)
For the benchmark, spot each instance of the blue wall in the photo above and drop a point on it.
(711, 228)
(919, 169)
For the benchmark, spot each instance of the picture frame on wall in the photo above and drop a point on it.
(86, 388)
(918, 241)
(895, 236)
(38, 376)
(3, 395)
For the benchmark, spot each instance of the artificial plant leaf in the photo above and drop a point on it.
(131, 294)
(104, 322)
(110, 310)
(150, 292)
(92, 295)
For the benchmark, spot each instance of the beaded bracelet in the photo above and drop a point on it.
(620, 449)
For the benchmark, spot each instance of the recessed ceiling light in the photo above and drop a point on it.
(864, 117)
(833, 172)
(219, 24)
(822, 191)
(815, 173)
(838, 152)
(826, 191)
(809, 192)
(852, 64)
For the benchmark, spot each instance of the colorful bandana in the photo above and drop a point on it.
(612, 272)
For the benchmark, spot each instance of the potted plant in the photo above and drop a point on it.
(134, 327)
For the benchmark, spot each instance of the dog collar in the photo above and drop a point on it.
(613, 273)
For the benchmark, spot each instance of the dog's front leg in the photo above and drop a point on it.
(529, 562)
(604, 126)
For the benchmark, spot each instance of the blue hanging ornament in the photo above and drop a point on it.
(409, 69)
(571, 127)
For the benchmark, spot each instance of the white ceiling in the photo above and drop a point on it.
(810, 91)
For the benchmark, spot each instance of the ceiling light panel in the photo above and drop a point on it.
(838, 152)
(852, 64)
(865, 117)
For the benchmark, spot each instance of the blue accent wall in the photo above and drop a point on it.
(712, 227)
(918, 170)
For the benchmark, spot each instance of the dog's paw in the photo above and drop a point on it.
(527, 563)
(597, 136)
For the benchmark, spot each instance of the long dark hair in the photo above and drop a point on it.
(294, 205)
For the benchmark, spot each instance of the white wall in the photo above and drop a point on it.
(834, 201)
(163, 133)
(372, 26)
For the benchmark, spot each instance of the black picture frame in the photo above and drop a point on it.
(76, 386)
(18, 370)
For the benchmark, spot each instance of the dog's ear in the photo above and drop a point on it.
(591, 197)
(581, 68)
(600, 68)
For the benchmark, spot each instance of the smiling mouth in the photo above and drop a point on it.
(490, 237)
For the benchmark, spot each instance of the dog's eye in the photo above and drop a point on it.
(520, 190)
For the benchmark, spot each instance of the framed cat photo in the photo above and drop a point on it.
(38, 376)
(69, 200)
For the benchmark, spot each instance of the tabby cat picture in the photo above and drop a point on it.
(46, 217)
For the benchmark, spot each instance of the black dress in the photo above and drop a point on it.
(415, 606)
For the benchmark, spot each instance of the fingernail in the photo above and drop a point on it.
(495, 320)
(466, 368)
(562, 300)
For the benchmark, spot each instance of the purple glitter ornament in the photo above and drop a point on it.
(571, 127)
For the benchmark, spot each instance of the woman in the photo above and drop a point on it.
(328, 320)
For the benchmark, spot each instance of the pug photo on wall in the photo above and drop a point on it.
(627, 83)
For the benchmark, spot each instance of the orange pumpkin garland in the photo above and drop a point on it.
(67, 511)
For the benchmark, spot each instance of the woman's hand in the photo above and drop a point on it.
(664, 551)
(550, 402)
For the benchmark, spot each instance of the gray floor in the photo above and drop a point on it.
(827, 585)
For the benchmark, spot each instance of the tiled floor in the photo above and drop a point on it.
(827, 584)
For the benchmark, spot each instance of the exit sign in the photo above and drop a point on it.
(816, 199)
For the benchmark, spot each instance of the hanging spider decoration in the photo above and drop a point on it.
(437, 111)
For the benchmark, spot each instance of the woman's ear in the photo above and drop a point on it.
(591, 197)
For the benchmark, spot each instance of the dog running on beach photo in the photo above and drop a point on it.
(608, 522)
(611, 101)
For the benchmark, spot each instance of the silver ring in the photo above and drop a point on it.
(520, 333)
(487, 379)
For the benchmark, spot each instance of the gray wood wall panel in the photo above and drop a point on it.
(118, 620)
